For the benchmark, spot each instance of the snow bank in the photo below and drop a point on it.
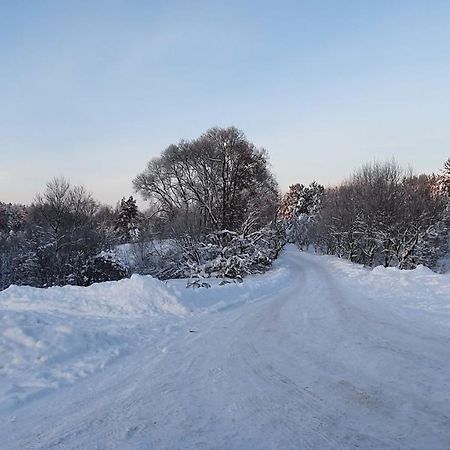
(50, 337)
(136, 296)
(419, 289)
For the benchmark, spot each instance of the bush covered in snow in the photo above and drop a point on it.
(103, 267)
(225, 254)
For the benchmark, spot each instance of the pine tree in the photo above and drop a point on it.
(299, 208)
(444, 179)
(291, 200)
(127, 220)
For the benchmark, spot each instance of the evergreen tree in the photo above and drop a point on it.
(298, 209)
(128, 218)
(291, 201)
(444, 179)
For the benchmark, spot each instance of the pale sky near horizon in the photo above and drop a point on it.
(94, 89)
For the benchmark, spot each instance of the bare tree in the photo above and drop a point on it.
(211, 183)
(383, 214)
(66, 235)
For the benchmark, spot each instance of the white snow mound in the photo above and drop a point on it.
(136, 296)
(51, 337)
(419, 289)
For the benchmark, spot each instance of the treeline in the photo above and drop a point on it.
(215, 209)
(380, 215)
(63, 237)
(212, 211)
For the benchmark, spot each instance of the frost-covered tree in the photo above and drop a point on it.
(14, 234)
(210, 184)
(12, 217)
(65, 234)
(61, 238)
(210, 195)
(227, 254)
(443, 181)
(443, 192)
(105, 223)
(299, 208)
(127, 222)
(383, 215)
(290, 201)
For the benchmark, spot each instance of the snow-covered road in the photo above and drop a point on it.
(316, 361)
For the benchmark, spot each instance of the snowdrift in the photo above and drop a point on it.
(49, 337)
(418, 291)
(136, 296)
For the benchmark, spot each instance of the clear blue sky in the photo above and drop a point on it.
(93, 89)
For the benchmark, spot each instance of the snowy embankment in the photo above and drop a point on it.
(52, 337)
(49, 337)
(419, 292)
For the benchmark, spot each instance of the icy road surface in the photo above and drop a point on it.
(330, 356)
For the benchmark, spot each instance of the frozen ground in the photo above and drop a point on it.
(318, 353)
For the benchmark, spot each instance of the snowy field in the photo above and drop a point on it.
(317, 353)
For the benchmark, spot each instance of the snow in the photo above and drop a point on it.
(222, 296)
(135, 296)
(128, 254)
(50, 337)
(420, 289)
(317, 353)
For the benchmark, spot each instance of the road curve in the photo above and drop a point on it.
(313, 364)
